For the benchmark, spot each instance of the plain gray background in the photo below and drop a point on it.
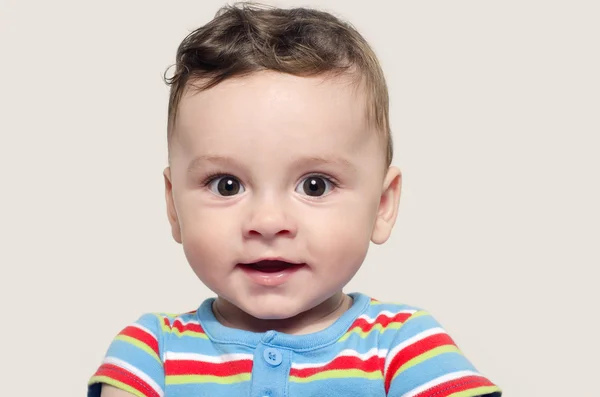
(495, 112)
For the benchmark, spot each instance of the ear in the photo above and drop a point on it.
(388, 206)
(171, 212)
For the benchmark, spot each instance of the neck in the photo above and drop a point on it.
(312, 320)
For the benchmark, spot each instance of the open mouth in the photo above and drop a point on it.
(270, 266)
(270, 272)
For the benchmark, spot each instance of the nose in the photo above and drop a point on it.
(268, 219)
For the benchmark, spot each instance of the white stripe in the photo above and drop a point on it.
(410, 341)
(439, 381)
(207, 359)
(182, 322)
(374, 352)
(146, 330)
(137, 372)
(387, 314)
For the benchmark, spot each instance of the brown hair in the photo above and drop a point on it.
(246, 38)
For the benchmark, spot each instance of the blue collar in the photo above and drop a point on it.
(219, 333)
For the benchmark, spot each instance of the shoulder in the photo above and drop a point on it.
(152, 327)
(380, 324)
(395, 310)
(384, 318)
(162, 326)
(421, 357)
(393, 318)
(142, 340)
(406, 332)
(134, 360)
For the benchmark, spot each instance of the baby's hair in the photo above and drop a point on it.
(246, 37)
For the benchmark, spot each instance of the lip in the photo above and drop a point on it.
(270, 278)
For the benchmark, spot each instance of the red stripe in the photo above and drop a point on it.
(178, 325)
(382, 319)
(193, 367)
(414, 350)
(372, 364)
(142, 336)
(454, 386)
(121, 375)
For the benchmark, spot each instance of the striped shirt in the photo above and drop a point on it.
(373, 349)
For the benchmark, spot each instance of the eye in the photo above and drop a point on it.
(315, 186)
(225, 185)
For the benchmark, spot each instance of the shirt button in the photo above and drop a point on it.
(272, 356)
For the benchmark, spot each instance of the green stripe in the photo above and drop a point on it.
(426, 356)
(140, 345)
(223, 380)
(337, 374)
(117, 384)
(479, 391)
(418, 314)
(364, 334)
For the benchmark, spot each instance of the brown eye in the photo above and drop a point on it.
(315, 186)
(226, 185)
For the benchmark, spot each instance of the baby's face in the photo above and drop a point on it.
(274, 190)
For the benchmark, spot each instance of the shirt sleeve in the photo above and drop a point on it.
(133, 360)
(424, 361)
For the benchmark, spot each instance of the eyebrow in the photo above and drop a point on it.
(327, 160)
(197, 161)
(303, 161)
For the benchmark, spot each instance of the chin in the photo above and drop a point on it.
(279, 312)
(271, 314)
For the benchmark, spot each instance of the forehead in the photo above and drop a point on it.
(270, 110)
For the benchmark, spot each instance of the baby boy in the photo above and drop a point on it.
(279, 178)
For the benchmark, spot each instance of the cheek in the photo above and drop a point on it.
(342, 237)
(207, 236)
